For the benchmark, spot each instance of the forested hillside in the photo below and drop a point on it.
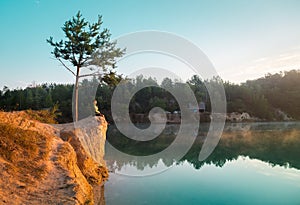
(266, 98)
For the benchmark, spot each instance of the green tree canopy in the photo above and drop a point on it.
(85, 45)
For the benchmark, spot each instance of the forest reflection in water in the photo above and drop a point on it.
(245, 153)
(275, 143)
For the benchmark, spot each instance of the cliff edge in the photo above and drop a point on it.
(50, 164)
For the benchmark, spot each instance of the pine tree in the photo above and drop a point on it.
(85, 45)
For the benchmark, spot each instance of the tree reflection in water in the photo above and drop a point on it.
(274, 143)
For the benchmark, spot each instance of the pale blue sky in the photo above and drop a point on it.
(243, 39)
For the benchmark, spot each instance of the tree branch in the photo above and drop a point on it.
(85, 60)
(91, 74)
(66, 66)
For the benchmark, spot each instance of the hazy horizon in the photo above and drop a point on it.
(36, 83)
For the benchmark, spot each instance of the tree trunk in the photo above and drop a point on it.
(76, 94)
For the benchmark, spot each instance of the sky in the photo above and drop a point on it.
(244, 39)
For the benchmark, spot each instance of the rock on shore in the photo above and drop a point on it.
(50, 164)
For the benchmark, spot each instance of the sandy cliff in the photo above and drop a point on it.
(50, 164)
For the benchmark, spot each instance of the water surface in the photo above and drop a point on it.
(254, 163)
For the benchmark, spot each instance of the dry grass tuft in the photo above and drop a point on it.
(44, 116)
(25, 150)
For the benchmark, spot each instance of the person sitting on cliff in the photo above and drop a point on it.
(97, 112)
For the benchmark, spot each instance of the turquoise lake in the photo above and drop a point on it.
(254, 163)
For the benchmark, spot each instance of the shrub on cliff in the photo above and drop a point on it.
(44, 116)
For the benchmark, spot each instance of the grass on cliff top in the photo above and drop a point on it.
(44, 116)
(24, 150)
